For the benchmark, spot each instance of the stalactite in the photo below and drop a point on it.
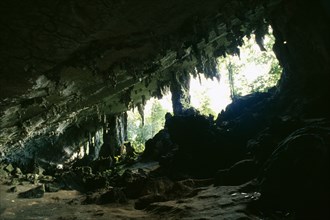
(163, 88)
(114, 135)
(126, 96)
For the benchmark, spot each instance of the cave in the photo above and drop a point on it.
(71, 70)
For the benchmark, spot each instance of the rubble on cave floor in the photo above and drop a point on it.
(137, 194)
(203, 169)
(288, 156)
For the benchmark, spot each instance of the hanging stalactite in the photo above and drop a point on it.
(114, 135)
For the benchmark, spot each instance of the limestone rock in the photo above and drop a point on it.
(115, 195)
(9, 168)
(241, 172)
(52, 187)
(37, 192)
(12, 189)
(297, 174)
(3, 174)
(18, 173)
(106, 196)
(146, 200)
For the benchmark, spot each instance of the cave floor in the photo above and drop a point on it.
(62, 205)
(225, 202)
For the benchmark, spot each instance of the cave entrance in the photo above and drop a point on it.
(255, 69)
(142, 126)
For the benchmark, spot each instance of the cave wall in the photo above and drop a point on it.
(64, 65)
(302, 46)
(114, 135)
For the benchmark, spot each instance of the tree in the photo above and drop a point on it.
(139, 133)
(157, 118)
(235, 68)
(205, 103)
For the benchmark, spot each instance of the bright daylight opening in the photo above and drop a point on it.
(139, 132)
(254, 70)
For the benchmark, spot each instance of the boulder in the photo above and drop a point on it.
(9, 168)
(106, 196)
(81, 179)
(52, 187)
(102, 164)
(241, 172)
(37, 192)
(133, 182)
(157, 147)
(296, 176)
(3, 174)
(12, 189)
(146, 200)
(18, 173)
(115, 195)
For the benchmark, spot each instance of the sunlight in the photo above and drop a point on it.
(154, 120)
(165, 102)
(254, 70)
(217, 92)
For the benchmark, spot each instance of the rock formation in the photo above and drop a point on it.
(69, 71)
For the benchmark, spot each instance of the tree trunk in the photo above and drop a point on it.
(233, 94)
(180, 86)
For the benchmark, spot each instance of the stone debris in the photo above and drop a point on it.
(70, 71)
(12, 189)
(9, 168)
(37, 192)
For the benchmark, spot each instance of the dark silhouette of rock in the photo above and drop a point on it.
(130, 151)
(52, 187)
(3, 173)
(37, 192)
(102, 164)
(114, 195)
(12, 189)
(296, 176)
(157, 147)
(133, 182)
(81, 179)
(63, 81)
(144, 201)
(241, 172)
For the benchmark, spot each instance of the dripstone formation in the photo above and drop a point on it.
(70, 70)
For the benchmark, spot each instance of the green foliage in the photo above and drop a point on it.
(134, 131)
(238, 70)
(137, 133)
(233, 69)
(156, 120)
(205, 102)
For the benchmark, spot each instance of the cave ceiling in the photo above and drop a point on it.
(66, 63)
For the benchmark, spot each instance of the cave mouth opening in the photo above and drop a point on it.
(144, 126)
(254, 69)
